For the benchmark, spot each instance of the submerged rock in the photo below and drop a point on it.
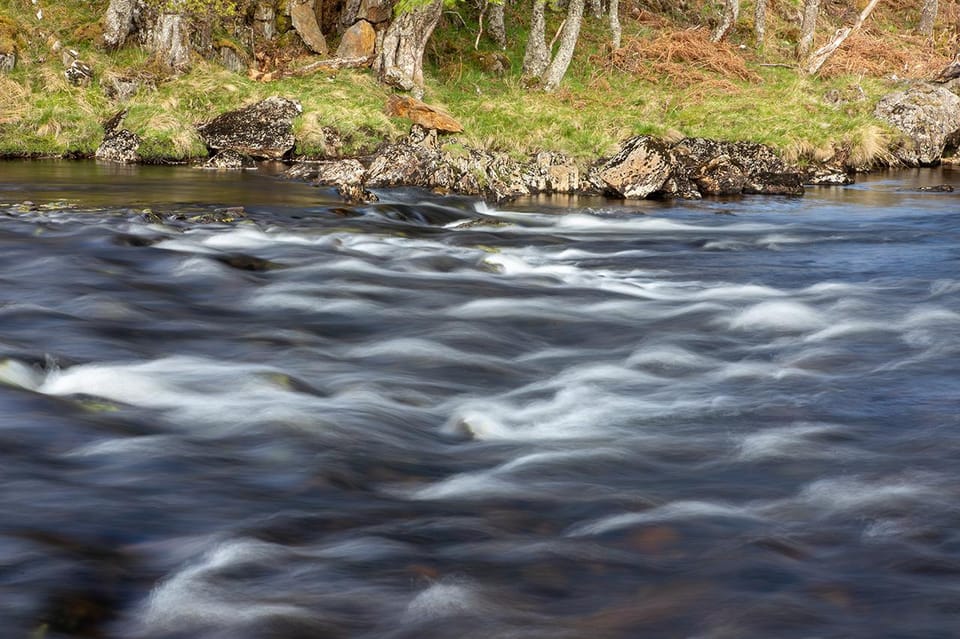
(928, 117)
(263, 130)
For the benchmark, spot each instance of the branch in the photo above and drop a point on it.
(821, 55)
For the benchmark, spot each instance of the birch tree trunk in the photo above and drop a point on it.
(731, 11)
(536, 58)
(170, 41)
(928, 15)
(821, 55)
(616, 32)
(498, 30)
(568, 42)
(400, 62)
(811, 9)
(760, 22)
(118, 22)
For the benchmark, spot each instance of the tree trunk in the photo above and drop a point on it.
(568, 42)
(928, 15)
(596, 8)
(616, 33)
(731, 11)
(537, 56)
(118, 22)
(760, 22)
(303, 16)
(170, 41)
(498, 30)
(400, 62)
(811, 9)
(821, 55)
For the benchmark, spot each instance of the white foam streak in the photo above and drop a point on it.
(789, 442)
(674, 511)
(783, 316)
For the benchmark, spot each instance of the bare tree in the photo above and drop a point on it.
(400, 60)
(536, 57)
(568, 42)
(760, 22)
(616, 32)
(808, 25)
(928, 15)
(498, 30)
(731, 11)
(821, 55)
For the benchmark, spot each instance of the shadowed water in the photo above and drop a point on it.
(432, 418)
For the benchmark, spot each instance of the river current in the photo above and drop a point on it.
(433, 418)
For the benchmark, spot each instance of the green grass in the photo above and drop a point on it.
(596, 108)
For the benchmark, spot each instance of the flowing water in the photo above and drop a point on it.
(431, 418)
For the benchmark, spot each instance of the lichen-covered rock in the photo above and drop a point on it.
(640, 168)
(230, 57)
(720, 176)
(403, 164)
(706, 161)
(227, 159)
(119, 145)
(119, 88)
(8, 61)
(928, 117)
(79, 73)
(263, 130)
(827, 176)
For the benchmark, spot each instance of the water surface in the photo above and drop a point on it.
(434, 418)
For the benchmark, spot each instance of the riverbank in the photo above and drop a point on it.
(667, 81)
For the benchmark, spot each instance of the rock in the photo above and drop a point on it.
(429, 117)
(376, 11)
(8, 61)
(936, 188)
(552, 173)
(118, 22)
(720, 176)
(119, 145)
(79, 73)
(265, 20)
(227, 159)
(763, 170)
(403, 164)
(827, 176)
(119, 88)
(170, 41)
(641, 167)
(263, 130)
(928, 117)
(304, 20)
(339, 173)
(358, 41)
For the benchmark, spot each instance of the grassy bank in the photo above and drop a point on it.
(667, 80)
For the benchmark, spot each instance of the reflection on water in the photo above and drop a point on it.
(435, 418)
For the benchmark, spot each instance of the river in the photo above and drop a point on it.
(434, 418)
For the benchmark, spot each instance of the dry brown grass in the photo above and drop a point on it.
(865, 53)
(13, 101)
(684, 58)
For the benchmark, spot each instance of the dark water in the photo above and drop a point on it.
(434, 419)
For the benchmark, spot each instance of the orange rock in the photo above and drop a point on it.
(358, 41)
(402, 106)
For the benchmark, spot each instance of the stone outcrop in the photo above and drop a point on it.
(119, 145)
(644, 167)
(262, 131)
(79, 73)
(928, 117)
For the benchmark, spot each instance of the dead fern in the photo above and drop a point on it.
(905, 56)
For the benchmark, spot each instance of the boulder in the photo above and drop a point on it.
(358, 41)
(79, 73)
(8, 61)
(403, 164)
(422, 114)
(231, 57)
(640, 168)
(304, 20)
(928, 117)
(705, 161)
(119, 88)
(263, 130)
(227, 159)
(119, 145)
(720, 176)
(827, 176)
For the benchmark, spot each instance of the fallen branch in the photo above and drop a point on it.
(332, 64)
(821, 55)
